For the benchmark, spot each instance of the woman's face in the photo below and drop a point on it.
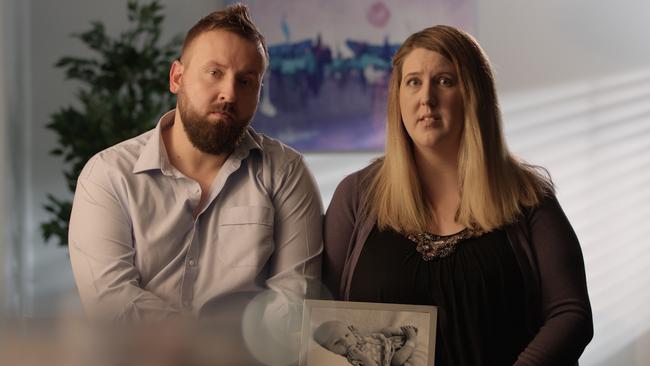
(431, 102)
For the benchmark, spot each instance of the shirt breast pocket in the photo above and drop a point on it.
(245, 236)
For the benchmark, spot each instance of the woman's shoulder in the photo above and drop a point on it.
(547, 204)
(362, 177)
(348, 193)
(545, 217)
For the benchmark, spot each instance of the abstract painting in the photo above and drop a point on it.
(330, 61)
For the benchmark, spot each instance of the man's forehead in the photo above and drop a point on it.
(220, 46)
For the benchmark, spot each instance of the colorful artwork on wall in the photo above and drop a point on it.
(326, 86)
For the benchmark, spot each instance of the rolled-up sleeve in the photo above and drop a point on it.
(102, 253)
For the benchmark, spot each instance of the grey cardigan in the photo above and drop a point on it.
(547, 250)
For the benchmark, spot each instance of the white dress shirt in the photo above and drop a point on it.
(138, 252)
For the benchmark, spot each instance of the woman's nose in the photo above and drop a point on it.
(429, 96)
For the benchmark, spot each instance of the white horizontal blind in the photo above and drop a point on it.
(594, 138)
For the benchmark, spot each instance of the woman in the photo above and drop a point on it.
(449, 217)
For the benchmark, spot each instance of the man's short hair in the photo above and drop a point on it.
(236, 19)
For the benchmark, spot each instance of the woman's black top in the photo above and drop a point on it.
(478, 290)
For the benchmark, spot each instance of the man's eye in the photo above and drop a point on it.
(214, 72)
(248, 82)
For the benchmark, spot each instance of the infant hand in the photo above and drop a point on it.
(410, 331)
(356, 354)
(353, 329)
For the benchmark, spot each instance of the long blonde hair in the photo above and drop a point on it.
(494, 185)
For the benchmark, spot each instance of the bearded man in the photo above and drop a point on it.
(201, 214)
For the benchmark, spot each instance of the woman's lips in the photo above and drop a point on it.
(429, 118)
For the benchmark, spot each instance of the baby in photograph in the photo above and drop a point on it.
(390, 347)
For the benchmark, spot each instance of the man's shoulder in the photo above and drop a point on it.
(274, 151)
(117, 159)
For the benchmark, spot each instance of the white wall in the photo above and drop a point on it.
(546, 43)
(3, 146)
(574, 79)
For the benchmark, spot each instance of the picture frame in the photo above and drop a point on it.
(368, 320)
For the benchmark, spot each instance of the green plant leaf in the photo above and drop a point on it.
(123, 88)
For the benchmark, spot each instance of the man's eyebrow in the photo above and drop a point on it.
(213, 63)
(248, 73)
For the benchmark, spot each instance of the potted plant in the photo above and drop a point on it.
(123, 91)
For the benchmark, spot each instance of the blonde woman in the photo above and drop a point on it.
(449, 217)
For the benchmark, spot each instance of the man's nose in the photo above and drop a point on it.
(228, 91)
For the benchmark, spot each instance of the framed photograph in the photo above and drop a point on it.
(330, 61)
(351, 333)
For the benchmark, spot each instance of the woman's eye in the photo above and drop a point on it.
(445, 82)
(413, 82)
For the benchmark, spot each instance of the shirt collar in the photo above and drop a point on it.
(247, 143)
(154, 154)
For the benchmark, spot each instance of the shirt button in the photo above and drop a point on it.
(191, 262)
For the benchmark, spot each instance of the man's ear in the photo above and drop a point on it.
(175, 76)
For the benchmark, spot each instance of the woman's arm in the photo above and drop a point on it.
(340, 220)
(567, 325)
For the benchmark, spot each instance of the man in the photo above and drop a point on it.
(201, 214)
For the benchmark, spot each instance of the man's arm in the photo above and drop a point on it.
(295, 266)
(102, 253)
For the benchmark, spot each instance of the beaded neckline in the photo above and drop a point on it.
(439, 246)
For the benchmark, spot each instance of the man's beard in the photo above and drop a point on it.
(219, 137)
